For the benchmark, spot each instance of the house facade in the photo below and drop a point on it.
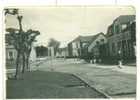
(11, 53)
(91, 49)
(62, 52)
(119, 37)
(86, 46)
(75, 47)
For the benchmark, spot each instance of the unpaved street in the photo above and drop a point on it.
(108, 78)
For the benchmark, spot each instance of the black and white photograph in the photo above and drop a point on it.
(72, 52)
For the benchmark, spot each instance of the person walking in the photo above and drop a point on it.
(119, 60)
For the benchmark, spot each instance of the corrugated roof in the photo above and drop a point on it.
(92, 40)
(126, 18)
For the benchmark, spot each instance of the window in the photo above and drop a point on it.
(117, 30)
(110, 31)
(76, 45)
(97, 42)
(124, 26)
(113, 47)
(119, 46)
(11, 55)
(102, 40)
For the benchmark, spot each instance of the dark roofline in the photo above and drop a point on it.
(110, 25)
(121, 16)
(78, 38)
(115, 20)
(75, 39)
(93, 39)
(11, 28)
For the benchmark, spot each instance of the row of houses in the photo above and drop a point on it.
(119, 40)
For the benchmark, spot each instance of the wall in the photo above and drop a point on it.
(10, 48)
(33, 54)
(122, 39)
(75, 48)
(101, 36)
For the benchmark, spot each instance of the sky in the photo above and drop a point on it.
(66, 23)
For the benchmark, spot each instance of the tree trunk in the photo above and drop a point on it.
(23, 69)
(17, 65)
(27, 62)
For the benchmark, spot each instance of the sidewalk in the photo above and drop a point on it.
(127, 68)
(115, 82)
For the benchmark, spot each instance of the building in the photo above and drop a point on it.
(83, 46)
(75, 46)
(91, 49)
(11, 52)
(120, 37)
(62, 52)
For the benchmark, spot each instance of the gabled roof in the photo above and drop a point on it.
(92, 40)
(110, 26)
(76, 39)
(83, 39)
(125, 18)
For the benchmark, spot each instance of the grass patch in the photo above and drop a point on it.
(39, 84)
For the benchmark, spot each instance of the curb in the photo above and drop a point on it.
(94, 88)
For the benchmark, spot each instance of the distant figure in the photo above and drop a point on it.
(135, 52)
(119, 60)
(94, 60)
(100, 60)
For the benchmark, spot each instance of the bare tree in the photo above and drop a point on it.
(16, 39)
(22, 41)
(28, 38)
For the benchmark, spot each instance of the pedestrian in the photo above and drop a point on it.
(100, 60)
(94, 60)
(135, 52)
(119, 60)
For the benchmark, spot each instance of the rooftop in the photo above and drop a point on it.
(125, 18)
(82, 39)
(92, 40)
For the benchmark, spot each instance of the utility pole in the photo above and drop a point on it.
(51, 63)
(51, 56)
